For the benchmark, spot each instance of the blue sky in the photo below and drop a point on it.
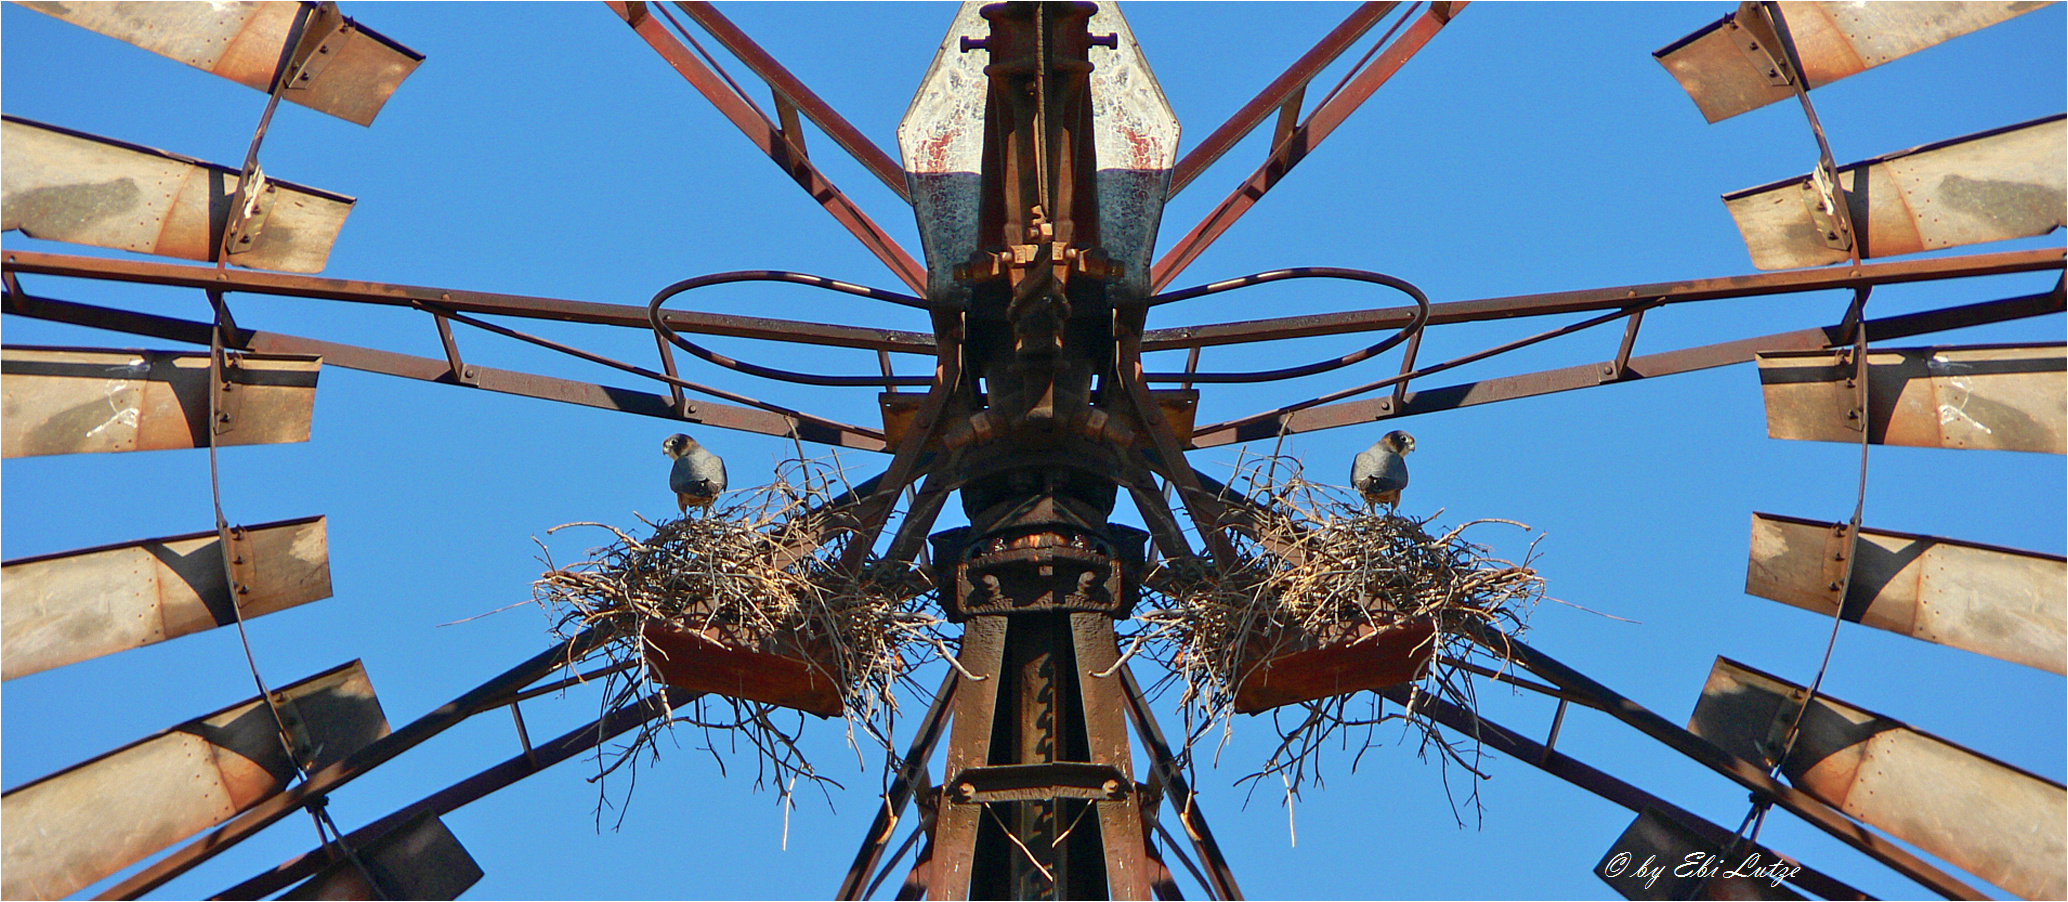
(543, 149)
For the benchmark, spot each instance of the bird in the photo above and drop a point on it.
(1380, 471)
(698, 475)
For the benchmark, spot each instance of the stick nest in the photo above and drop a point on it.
(1313, 566)
(760, 563)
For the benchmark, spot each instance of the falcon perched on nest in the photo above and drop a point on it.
(1380, 471)
(698, 475)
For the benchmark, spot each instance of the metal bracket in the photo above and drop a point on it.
(461, 373)
(1407, 365)
(1755, 37)
(322, 41)
(297, 729)
(1821, 197)
(243, 572)
(246, 221)
(1836, 547)
(1785, 718)
(1039, 783)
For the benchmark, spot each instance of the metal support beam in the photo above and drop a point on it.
(148, 272)
(792, 91)
(1309, 136)
(548, 388)
(1309, 417)
(1615, 298)
(1737, 769)
(328, 779)
(1292, 82)
(452, 798)
(770, 141)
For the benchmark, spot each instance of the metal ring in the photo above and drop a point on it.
(1421, 318)
(653, 316)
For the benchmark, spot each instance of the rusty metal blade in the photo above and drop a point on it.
(1726, 68)
(84, 189)
(1989, 397)
(941, 139)
(355, 70)
(419, 860)
(69, 607)
(1995, 821)
(74, 827)
(1661, 858)
(1999, 602)
(86, 400)
(1991, 186)
(1135, 134)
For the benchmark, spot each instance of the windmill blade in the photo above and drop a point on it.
(74, 827)
(1997, 822)
(419, 860)
(1991, 186)
(84, 189)
(1735, 64)
(1993, 397)
(70, 607)
(351, 69)
(90, 400)
(1999, 602)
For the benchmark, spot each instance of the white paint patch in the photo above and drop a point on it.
(1949, 413)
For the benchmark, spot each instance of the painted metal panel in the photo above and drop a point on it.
(1995, 821)
(1726, 68)
(1992, 186)
(1660, 858)
(941, 139)
(63, 608)
(1135, 136)
(1976, 397)
(91, 400)
(354, 73)
(74, 827)
(84, 189)
(420, 859)
(1998, 602)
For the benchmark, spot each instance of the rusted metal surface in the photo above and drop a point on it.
(1308, 418)
(1991, 819)
(1734, 766)
(77, 605)
(1121, 837)
(1995, 185)
(451, 798)
(1282, 90)
(1135, 135)
(769, 139)
(1308, 136)
(330, 774)
(911, 774)
(1977, 397)
(739, 664)
(355, 71)
(71, 186)
(1578, 773)
(74, 827)
(1730, 66)
(477, 302)
(1287, 670)
(86, 400)
(419, 860)
(969, 745)
(1220, 881)
(549, 388)
(1999, 602)
(789, 89)
(1658, 858)
(1595, 299)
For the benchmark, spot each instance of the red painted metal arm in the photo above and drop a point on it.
(1276, 94)
(873, 158)
(766, 136)
(1302, 141)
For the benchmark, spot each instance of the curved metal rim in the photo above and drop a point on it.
(1403, 286)
(653, 316)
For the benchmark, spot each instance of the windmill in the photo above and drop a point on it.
(458, 367)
